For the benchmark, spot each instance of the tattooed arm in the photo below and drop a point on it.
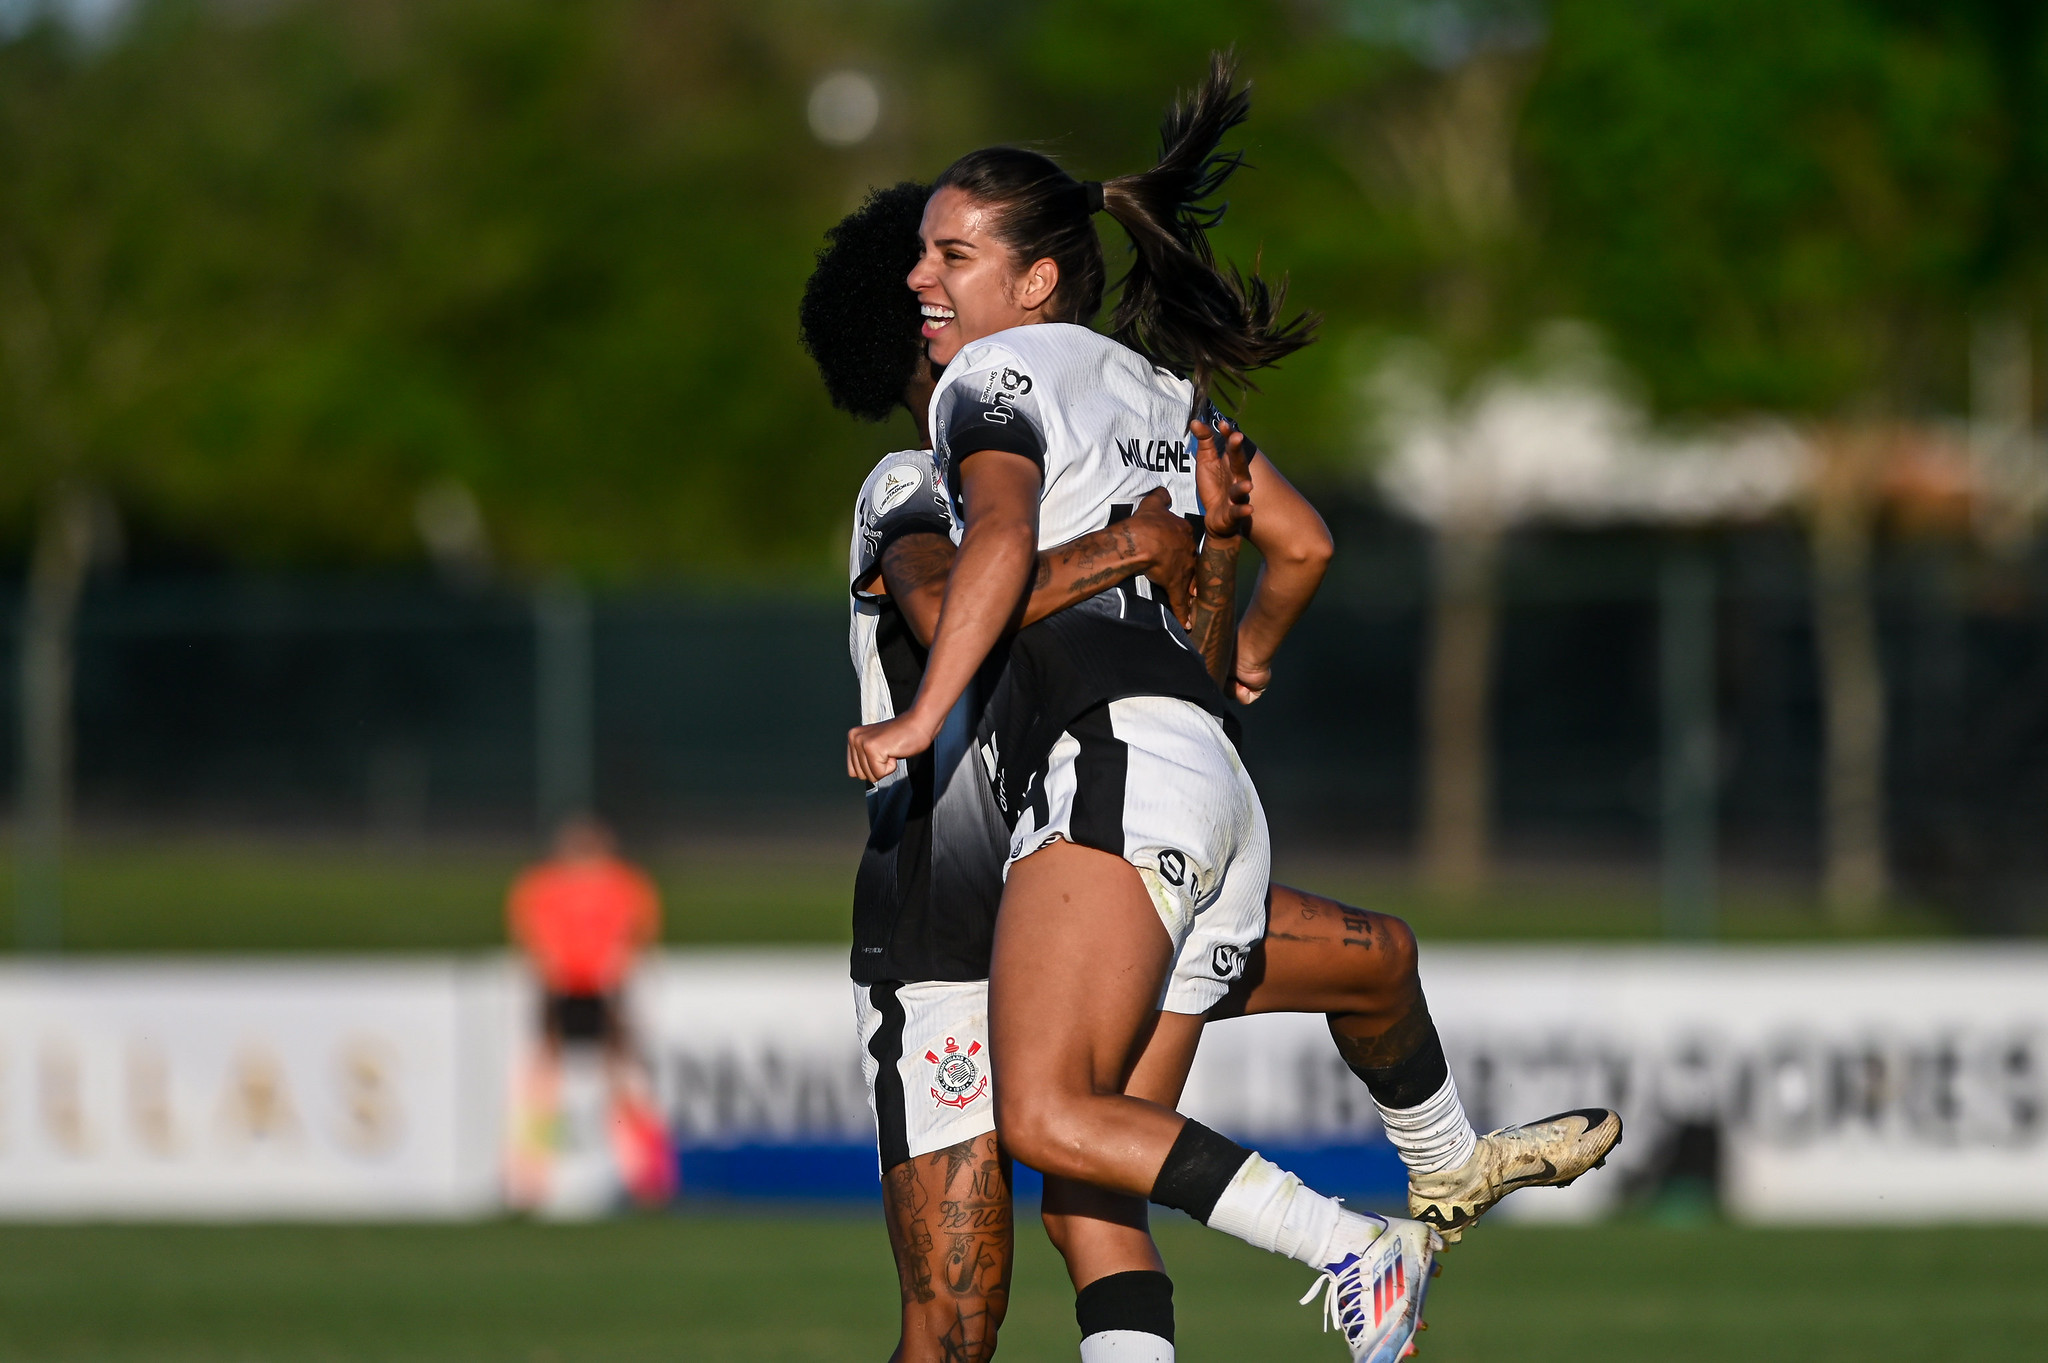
(1216, 608)
(1223, 477)
(914, 569)
(1152, 541)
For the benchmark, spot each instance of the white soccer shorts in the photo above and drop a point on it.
(1157, 782)
(924, 1054)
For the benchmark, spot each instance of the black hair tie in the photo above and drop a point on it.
(1091, 195)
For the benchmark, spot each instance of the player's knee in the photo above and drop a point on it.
(1399, 945)
(1043, 1130)
(1107, 1228)
(1029, 1129)
(1059, 1228)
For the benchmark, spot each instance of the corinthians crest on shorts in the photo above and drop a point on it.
(957, 1077)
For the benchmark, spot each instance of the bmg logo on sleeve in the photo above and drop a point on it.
(1000, 391)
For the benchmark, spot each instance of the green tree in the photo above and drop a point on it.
(87, 224)
(1781, 207)
(266, 278)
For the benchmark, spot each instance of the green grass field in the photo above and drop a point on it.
(150, 895)
(819, 1289)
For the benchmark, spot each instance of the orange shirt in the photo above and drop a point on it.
(581, 921)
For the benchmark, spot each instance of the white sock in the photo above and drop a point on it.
(1126, 1346)
(1264, 1205)
(1434, 1135)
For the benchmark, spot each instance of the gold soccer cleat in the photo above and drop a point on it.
(1546, 1154)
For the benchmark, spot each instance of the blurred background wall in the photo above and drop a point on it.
(392, 713)
(404, 437)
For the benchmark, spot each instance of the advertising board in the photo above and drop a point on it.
(1882, 1083)
(1898, 1083)
(143, 1089)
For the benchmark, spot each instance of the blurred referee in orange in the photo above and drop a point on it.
(581, 917)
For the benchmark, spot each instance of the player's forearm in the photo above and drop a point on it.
(915, 567)
(1080, 568)
(1216, 607)
(1296, 546)
(1283, 593)
(914, 572)
(983, 596)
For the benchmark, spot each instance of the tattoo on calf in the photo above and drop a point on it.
(969, 1339)
(962, 1252)
(1408, 1034)
(909, 1235)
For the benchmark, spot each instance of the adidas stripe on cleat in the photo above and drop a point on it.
(1551, 1153)
(1373, 1294)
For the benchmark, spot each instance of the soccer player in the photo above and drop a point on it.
(581, 917)
(1132, 819)
(931, 875)
(1355, 966)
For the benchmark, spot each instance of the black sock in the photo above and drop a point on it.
(1140, 1301)
(1415, 1078)
(1197, 1170)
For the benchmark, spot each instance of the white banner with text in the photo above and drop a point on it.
(253, 1089)
(1895, 1083)
(1892, 1083)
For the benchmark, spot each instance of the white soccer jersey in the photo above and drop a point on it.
(903, 494)
(1105, 426)
(924, 899)
(1103, 423)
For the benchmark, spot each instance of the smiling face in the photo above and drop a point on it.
(968, 283)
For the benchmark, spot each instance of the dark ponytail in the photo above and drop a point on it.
(1177, 308)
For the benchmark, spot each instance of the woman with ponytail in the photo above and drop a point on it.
(1137, 871)
(1138, 861)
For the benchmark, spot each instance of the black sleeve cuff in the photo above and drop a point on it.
(972, 437)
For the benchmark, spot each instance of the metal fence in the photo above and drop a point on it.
(410, 711)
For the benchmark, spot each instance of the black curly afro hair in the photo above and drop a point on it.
(858, 320)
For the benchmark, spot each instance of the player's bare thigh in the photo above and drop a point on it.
(1321, 956)
(1078, 961)
(1080, 958)
(950, 1227)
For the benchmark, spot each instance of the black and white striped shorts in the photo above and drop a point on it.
(1156, 781)
(924, 1054)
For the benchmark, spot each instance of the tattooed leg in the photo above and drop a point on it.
(950, 1228)
(1353, 965)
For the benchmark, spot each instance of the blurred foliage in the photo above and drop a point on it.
(268, 272)
(1777, 206)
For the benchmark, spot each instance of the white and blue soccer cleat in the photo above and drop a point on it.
(1373, 1292)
